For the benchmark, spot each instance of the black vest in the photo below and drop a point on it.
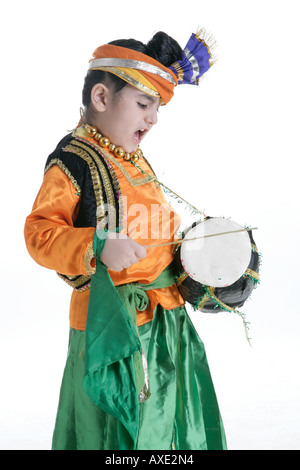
(96, 183)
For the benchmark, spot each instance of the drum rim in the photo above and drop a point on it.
(193, 226)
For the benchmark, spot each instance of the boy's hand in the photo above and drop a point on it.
(120, 252)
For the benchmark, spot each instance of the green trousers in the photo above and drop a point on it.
(182, 412)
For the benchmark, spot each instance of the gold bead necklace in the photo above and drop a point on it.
(118, 151)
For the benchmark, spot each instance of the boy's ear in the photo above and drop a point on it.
(99, 97)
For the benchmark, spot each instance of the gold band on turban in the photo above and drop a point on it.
(137, 69)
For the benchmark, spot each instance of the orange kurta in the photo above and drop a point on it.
(54, 242)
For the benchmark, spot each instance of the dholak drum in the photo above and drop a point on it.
(216, 272)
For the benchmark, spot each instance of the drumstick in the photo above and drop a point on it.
(204, 236)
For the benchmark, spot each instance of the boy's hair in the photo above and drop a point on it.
(161, 47)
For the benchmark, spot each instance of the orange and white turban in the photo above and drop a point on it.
(137, 69)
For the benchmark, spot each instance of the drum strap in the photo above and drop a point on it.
(210, 295)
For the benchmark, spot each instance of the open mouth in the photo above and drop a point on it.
(139, 134)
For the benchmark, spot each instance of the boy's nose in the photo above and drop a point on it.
(152, 117)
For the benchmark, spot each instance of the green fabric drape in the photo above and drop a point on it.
(114, 356)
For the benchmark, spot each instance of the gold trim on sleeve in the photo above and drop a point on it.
(89, 255)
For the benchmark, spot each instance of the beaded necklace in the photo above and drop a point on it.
(117, 150)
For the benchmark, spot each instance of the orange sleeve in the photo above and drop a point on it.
(50, 235)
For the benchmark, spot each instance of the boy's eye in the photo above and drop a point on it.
(143, 106)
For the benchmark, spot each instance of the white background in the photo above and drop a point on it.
(230, 146)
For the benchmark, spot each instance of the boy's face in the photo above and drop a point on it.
(128, 117)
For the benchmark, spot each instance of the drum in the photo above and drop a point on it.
(216, 265)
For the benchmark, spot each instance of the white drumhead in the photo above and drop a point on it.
(217, 261)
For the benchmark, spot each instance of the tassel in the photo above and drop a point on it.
(208, 39)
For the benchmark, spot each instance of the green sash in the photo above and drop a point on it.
(115, 365)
